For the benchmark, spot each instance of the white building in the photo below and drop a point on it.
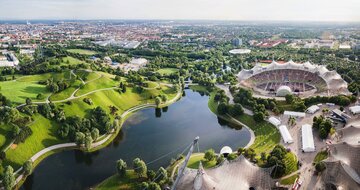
(283, 91)
(294, 114)
(307, 138)
(274, 121)
(285, 134)
(313, 109)
(355, 109)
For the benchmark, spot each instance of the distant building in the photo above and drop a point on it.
(356, 46)
(237, 42)
(8, 60)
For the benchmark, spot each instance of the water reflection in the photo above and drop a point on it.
(145, 135)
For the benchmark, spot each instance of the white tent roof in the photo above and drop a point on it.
(274, 121)
(355, 109)
(313, 109)
(226, 150)
(285, 134)
(295, 114)
(307, 138)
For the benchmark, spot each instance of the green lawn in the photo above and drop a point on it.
(103, 82)
(116, 182)
(167, 71)
(151, 84)
(267, 136)
(35, 78)
(17, 92)
(87, 76)
(291, 163)
(5, 132)
(44, 135)
(82, 51)
(195, 161)
(71, 61)
(290, 180)
(320, 156)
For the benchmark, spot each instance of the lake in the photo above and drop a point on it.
(148, 134)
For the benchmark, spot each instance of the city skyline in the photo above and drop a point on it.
(243, 10)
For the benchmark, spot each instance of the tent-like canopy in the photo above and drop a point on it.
(307, 138)
(285, 134)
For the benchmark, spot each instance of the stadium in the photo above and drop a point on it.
(302, 79)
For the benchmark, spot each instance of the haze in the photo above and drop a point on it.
(290, 10)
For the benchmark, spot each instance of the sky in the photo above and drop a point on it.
(262, 10)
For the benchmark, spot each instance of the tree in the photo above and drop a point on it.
(28, 101)
(9, 178)
(121, 167)
(323, 134)
(151, 175)
(210, 155)
(143, 185)
(161, 175)
(320, 166)
(15, 131)
(154, 186)
(140, 167)
(95, 133)
(157, 101)
(222, 108)
(263, 156)
(259, 116)
(220, 159)
(88, 141)
(79, 138)
(28, 167)
(289, 98)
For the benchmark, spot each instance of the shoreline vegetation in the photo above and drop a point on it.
(36, 148)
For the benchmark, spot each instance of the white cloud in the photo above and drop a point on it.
(319, 10)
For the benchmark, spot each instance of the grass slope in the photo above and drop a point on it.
(17, 92)
(82, 51)
(44, 135)
(195, 161)
(167, 71)
(116, 182)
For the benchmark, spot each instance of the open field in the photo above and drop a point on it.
(116, 182)
(195, 161)
(5, 132)
(44, 135)
(167, 71)
(86, 76)
(71, 61)
(40, 77)
(103, 82)
(82, 51)
(17, 92)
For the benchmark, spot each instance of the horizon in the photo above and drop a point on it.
(210, 10)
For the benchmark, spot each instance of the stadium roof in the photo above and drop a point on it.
(239, 174)
(335, 84)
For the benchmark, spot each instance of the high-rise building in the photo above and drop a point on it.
(237, 42)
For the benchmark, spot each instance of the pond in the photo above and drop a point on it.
(148, 134)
